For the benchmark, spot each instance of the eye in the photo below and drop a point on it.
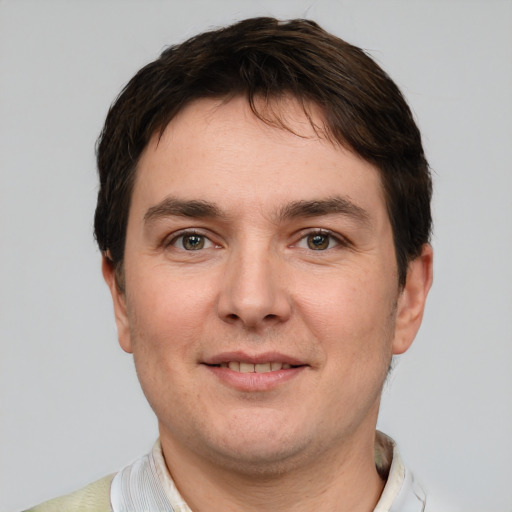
(318, 241)
(191, 242)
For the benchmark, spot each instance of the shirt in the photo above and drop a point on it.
(146, 484)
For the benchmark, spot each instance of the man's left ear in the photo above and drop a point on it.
(411, 302)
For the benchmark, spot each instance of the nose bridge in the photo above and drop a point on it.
(252, 292)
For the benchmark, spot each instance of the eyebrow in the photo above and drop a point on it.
(336, 205)
(172, 207)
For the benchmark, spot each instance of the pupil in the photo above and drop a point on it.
(193, 242)
(317, 242)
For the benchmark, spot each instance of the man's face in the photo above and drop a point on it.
(261, 294)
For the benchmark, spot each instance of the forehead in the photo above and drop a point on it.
(220, 150)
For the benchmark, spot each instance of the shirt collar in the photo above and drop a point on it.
(147, 485)
(401, 493)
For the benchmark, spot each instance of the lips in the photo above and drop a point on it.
(260, 363)
(254, 372)
(242, 367)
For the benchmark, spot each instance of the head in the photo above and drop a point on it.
(361, 109)
(264, 215)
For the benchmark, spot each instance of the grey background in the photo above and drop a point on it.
(70, 406)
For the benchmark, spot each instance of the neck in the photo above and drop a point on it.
(341, 479)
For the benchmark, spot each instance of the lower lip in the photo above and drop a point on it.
(253, 381)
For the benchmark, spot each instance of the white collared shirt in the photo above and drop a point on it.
(146, 485)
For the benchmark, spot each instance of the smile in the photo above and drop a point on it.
(242, 367)
(248, 372)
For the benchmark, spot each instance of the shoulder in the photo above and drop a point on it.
(94, 497)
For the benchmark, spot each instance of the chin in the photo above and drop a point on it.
(262, 452)
(262, 463)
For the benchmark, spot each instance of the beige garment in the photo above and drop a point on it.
(95, 497)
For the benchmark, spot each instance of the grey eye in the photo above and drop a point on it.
(192, 242)
(318, 242)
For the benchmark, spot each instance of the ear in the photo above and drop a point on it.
(411, 302)
(119, 302)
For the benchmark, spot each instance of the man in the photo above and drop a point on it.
(264, 219)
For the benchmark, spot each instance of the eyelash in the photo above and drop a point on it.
(332, 237)
(204, 239)
(175, 237)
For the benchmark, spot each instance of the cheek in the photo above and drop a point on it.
(166, 325)
(167, 313)
(353, 314)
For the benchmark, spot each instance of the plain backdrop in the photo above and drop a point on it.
(71, 409)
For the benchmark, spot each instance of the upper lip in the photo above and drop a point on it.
(244, 357)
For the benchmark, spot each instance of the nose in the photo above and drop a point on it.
(253, 292)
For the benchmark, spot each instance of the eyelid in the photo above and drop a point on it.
(339, 239)
(171, 239)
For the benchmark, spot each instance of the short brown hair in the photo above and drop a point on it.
(267, 59)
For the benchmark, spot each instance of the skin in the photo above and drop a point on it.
(243, 280)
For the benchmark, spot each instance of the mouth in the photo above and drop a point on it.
(244, 367)
(247, 372)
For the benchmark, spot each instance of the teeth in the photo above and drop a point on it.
(262, 367)
(233, 365)
(242, 367)
(246, 368)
